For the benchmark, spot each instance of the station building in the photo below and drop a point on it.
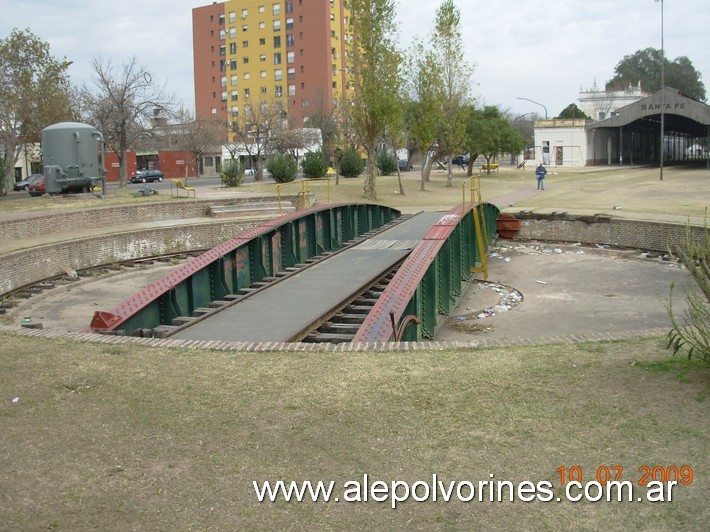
(631, 135)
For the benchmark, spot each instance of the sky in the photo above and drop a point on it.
(542, 51)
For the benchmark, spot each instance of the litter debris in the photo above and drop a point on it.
(15, 400)
(541, 282)
(71, 273)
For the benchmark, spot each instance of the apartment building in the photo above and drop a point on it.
(290, 52)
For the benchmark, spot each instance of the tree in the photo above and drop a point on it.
(423, 111)
(122, 105)
(455, 80)
(324, 116)
(375, 68)
(645, 66)
(294, 141)
(196, 137)
(572, 111)
(34, 93)
(255, 128)
(490, 133)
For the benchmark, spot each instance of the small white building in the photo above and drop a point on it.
(561, 142)
(601, 104)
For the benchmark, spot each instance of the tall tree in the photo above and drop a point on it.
(255, 129)
(423, 111)
(455, 80)
(645, 66)
(34, 93)
(375, 64)
(122, 105)
(195, 136)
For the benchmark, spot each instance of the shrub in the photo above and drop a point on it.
(282, 168)
(232, 173)
(314, 164)
(387, 163)
(692, 333)
(351, 164)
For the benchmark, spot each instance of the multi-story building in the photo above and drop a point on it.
(290, 52)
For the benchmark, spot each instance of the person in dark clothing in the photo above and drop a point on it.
(540, 173)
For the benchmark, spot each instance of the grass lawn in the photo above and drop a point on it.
(124, 437)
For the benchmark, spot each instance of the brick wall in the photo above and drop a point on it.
(34, 264)
(34, 224)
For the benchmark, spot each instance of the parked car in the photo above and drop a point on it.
(36, 185)
(461, 160)
(24, 184)
(147, 176)
(249, 172)
(404, 166)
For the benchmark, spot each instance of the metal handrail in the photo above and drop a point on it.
(304, 192)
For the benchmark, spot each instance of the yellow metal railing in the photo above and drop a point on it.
(479, 221)
(304, 193)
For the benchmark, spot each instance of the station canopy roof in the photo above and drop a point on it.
(680, 114)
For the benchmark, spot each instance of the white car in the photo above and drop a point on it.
(249, 172)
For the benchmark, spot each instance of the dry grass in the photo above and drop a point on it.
(120, 437)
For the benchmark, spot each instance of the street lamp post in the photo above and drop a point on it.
(663, 83)
(536, 103)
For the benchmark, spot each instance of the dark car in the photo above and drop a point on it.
(404, 166)
(36, 185)
(24, 184)
(461, 160)
(147, 176)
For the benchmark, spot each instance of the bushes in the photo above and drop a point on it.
(314, 165)
(351, 164)
(232, 173)
(282, 168)
(387, 163)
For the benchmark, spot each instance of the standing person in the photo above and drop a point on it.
(540, 172)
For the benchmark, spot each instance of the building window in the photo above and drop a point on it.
(263, 73)
(289, 23)
(261, 9)
(232, 33)
(245, 59)
(292, 90)
(232, 64)
(221, 20)
(277, 25)
(245, 12)
(277, 41)
(232, 48)
(214, 110)
(222, 65)
(222, 34)
(332, 17)
(245, 27)
(246, 75)
(291, 73)
(235, 96)
(277, 58)
(304, 102)
(290, 40)
(278, 73)
(289, 7)
(262, 25)
(223, 81)
(246, 94)
(223, 50)
(245, 44)
(232, 16)
(262, 57)
(262, 41)
(290, 57)
(278, 91)
(277, 9)
(263, 90)
(233, 79)
(224, 96)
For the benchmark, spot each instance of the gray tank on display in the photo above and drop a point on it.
(73, 156)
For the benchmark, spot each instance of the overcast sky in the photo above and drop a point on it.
(545, 51)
